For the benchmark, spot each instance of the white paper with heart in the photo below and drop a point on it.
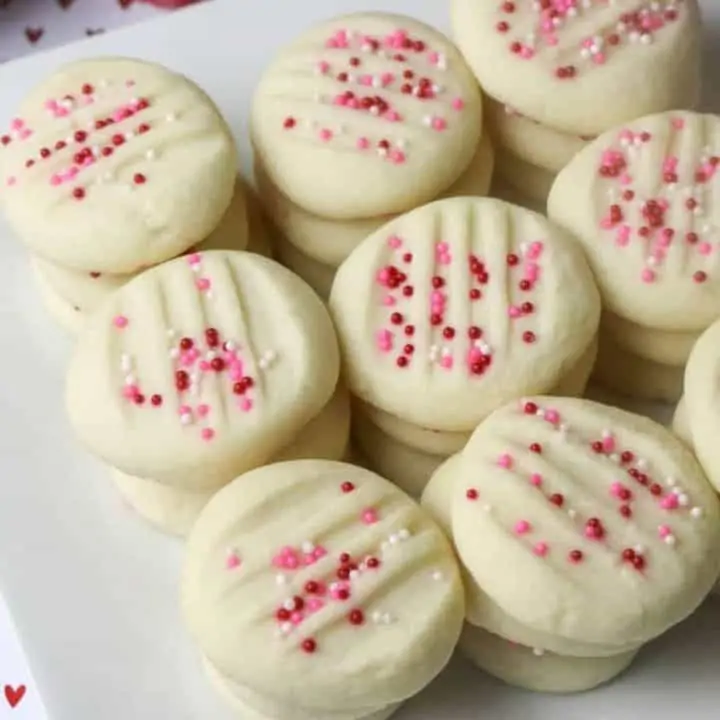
(19, 695)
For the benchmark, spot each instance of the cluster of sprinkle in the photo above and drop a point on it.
(632, 217)
(332, 584)
(450, 346)
(638, 27)
(90, 137)
(398, 66)
(194, 361)
(634, 483)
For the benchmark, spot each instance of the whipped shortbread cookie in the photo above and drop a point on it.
(698, 416)
(453, 309)
(366, 115)
(328, 241)
(318, 590)
(528, 140)
(607, 519)
(112, 165)
(583, 68)
(531, 181)
(642, 201)
(174, 511)
(628, 374)
(67, 316)
(658, 346)
(86, 290)
(534, 668)
(200, 369)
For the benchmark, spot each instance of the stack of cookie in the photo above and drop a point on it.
(200, 369)
(642, 201)
(112, 166)
(447, 313)
(560, 72)
(361, 119)
(608, 523)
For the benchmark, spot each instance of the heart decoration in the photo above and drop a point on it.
(14, 695)
(33, 34)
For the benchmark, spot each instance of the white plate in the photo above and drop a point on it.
(92, 588)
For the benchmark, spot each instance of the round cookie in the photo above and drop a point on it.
(87, 290)
(665, 348)
(69, 318)
(201, 368)
(451, 310)
(329, 242)
(681, 423)
(436, 442)
(366, 115)
(175, 511)
(641, 199)
(531, 181)
(318, 589)
(409, 468)
(115, 164)
(607, 519)
(536, 669)
(584, 69)
(632, 376)
(701, 407)
(318, 276)
(536, 144)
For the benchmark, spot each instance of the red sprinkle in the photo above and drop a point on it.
(356, 617)
(347, 487)
(472, 494)
(309, 646)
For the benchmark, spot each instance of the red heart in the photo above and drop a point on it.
(125, 4)
(14, 695)
(34, 34)
(65, 4)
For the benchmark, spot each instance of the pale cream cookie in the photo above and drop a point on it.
(642, 200)
(663, 347)
(681, 423)
(453, 309)
(529, 180)
(68, 317)
(582, 68)
(113, 164)
(319, 590)
(86, 290)
(366, 115)
(409, 468)
(538, 670)
(328, 241)
(174, 511)
(200, 369)
(606, 518)
(635, 377)
(536, 144)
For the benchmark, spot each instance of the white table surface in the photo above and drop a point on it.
(92, 588)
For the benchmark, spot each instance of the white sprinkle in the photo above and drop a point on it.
(671, 482)
(684, 500)
(171, 333)
(171, 117)
(126, 362)
(286, 628)
(640, 549)
(696, 512)
(394, 539)
(572, 514)
(437, 576)
(186, 419)
(606, 434)
(130, 379)
(151, 154)
(103, 83)
(230, 346)
(634, 36)
(281, 579)
(538, 652)
(375, 110)
(174, 353)
(209, 295)
(404, 534)
(129, 135)
(376, 617)
(446, 352)
(402, 143)
(487, 508)
(354, 575)
(387, 619)
(646, 39)
(210, 355)
(289, 604)
(642, 463)
(614, 457)
(670, 540)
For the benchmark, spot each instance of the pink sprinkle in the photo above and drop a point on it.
(387, 79)
(392, 116)
(319, 552)
(130, 83)
(608, 444)
(55, 180)
(622, 237)
(445, 259)
(535, 250)
(207, 434)
(308, 559)
(17, 124)
(447, 362)
(648, 275)
(625, 179)
(205, 366)
(532, 272)
(389, 301)
(552, 40)
(203, 410)
(514, 312)
(442, 247)
(434, 58)
(527, 53)
(25, 134)
(678, 123)
(185, 410)
(296, 618)
(369, 516)
(552, 416)
(664, 531)
(670, 502)
(315, 605)
(324, 67)
(536, 479)
(522, 527)
(458, 104)
(203, 284)
(365, 80)
(326, 135)
(398, 157)
(705, 248)
(363, 143)
(541, 549)
(395, 242)
(11, 181)
(505, 461)
(616, 489)
(245, 404)
(51, 104)
(232, 562)
(439, 124)
(194, 259)
(599, 58)
(120, 322)
(130, 391)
